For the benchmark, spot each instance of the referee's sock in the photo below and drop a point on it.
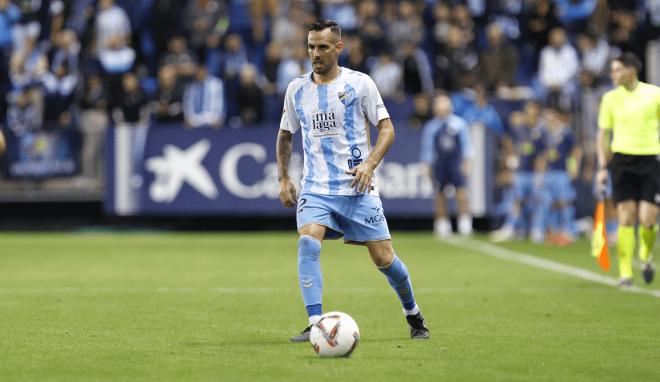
(647, 237)
(625, 246)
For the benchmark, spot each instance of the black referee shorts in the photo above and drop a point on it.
(635, 177)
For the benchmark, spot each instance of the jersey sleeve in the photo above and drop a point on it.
(372, 103)
(290, 121)
(605, 120)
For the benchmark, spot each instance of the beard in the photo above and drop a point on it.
(321, 67)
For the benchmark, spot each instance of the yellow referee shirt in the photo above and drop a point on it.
(634, 117)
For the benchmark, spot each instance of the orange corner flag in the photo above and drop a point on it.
(599, 248)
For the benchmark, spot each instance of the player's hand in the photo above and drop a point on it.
(466, 168)
(601, 179)
(288, 193)
(364, 174)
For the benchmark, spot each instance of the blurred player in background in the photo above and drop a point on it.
(529, 143)
(333, 106)
(629, 117)
(447, 152)
(563, 158)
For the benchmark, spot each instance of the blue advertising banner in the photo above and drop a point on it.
(42, 154)
(167, 170)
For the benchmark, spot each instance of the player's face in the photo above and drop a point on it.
(620, 74)
(442, 106)
(324, 48)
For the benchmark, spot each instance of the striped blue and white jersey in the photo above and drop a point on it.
(335, 120)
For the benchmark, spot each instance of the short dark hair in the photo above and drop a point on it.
(630, 60)
(324, 24)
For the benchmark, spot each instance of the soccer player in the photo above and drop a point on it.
(529, 142)
(333, 107)
(563, 156)
(631, 113)
(447, 152)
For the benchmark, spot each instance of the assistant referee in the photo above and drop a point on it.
(629, 118)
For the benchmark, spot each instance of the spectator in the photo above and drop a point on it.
(271, 65)
(234, 58)
(60, 87)
(574, 14)
(292, 67)
(116, 60)
(342, 11)
(112, 24)
(180, 58)
(203, 101)
(66, 50)
(499, 61)
(372, 28)
(250, 97)
(25, 113)
(537, 26)
(595, 54)
(200, 20)
(407, 27)
(133, 107)
(34, 17)
(168, 105)
(93, 123)
(167, 23)
(9, 17)
(558, 69)
(483, 113)
(288, 28)
(441, 23)
(28, 65)
(456, 60)
(387, 74)
(416, 70)
(356, 59)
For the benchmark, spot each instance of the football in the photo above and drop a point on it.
(335, 335)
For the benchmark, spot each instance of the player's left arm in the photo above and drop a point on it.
(466, 149)
(3, 145)
(364, 172)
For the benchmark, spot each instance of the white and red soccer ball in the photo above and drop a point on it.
(335, 335)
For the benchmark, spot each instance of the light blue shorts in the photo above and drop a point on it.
(357, 218)
(558, 186)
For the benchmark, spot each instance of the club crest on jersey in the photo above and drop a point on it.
(343, 95)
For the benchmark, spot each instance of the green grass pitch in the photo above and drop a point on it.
(221, 307)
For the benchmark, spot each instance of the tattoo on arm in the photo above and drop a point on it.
(284, 148)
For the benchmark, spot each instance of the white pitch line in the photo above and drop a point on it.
(524, 258)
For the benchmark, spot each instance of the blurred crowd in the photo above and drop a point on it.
(83, 64)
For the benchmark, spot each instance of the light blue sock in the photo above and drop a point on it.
(568, 219)
(399, 278)
(309, 274)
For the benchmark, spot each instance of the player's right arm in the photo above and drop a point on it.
(605, 122)
(288, 125)
(287, 188)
